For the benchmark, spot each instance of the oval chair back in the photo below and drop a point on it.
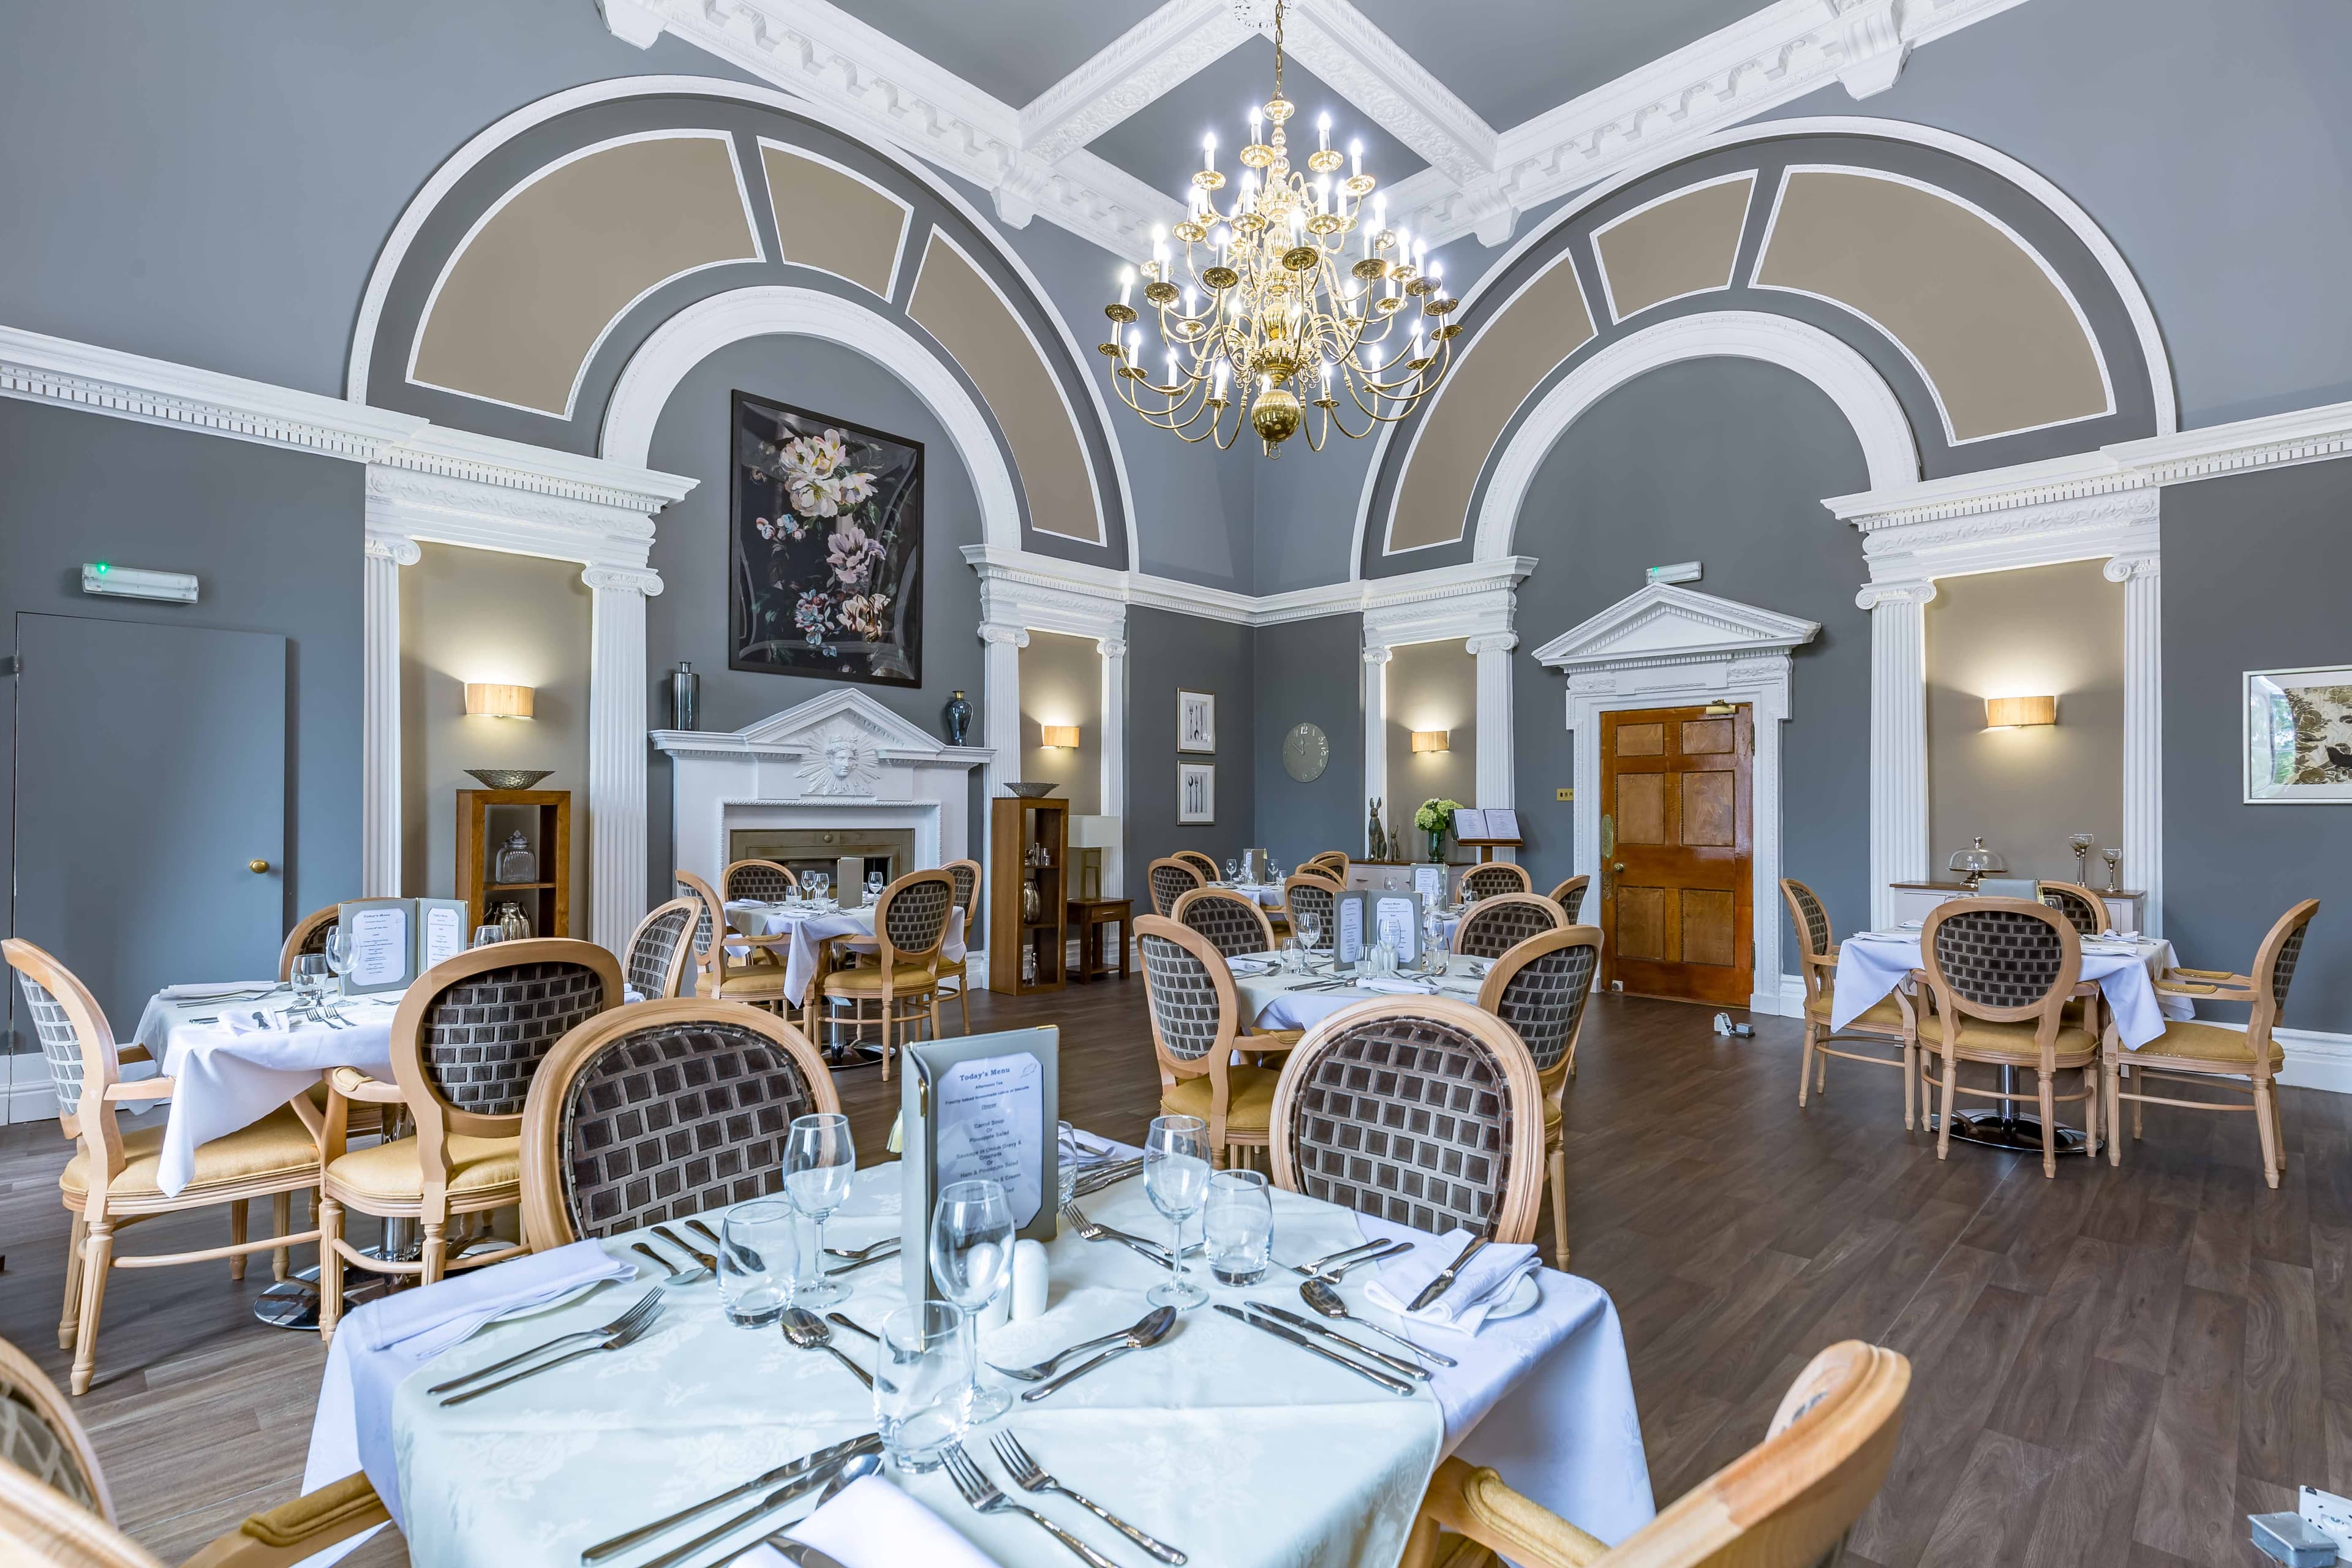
(965, 875)
(910, 919)
(1334, 861)
(1204, 864)
(310, 935)
(1421, 1111)
(1195, 1011)
(79, 1045)
(470, 1034)
(660, 955)
(660, 1110)
(1310, 897)
(1569, 897)
(2001, 960)
(46, 1445)
(710, 920)
(2274, 969)
(1492, 927)
(1811, 920)
(1168, 879)
(1235, 924)
(1539, 988)
(1497, 877)
(763, 881)
(2083, 908)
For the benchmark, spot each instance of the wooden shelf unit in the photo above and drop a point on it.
(1016, 828)
(545, 817)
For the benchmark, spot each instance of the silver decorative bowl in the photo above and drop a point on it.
(1029, 791)
(508, 778)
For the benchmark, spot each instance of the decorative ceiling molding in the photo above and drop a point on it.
(1660, 623)
(1366, 67)
(1151, 58)
(1075, 589)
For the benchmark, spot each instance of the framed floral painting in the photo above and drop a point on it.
(828, 548)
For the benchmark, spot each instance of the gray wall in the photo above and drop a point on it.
(2253, 571)
(1310, 672)
(1431, 685)
(1165, 651)
(1721, 461)
(1061, 683)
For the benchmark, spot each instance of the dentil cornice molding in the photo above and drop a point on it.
(1075, 590)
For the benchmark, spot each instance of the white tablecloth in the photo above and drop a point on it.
(810, 926)
(1243, 1450)
(1266, 893)
(1872, 964)
(1277, 1001)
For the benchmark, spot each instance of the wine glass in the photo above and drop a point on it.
(1233, 869)
(1310, 932)
(971, 1259)
(340, 954)
(819, 1162)
(485, 935)
(2114, 859)
(816, 882)
(873, 886)
(310, 980)
(1176, 1177)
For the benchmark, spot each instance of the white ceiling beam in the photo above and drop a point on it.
(1158, 54)
(1366, 67)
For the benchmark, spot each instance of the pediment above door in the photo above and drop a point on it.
(1661, 624)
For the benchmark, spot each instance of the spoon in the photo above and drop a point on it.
(1044, 1369)
(1319, 1295)
(1142, 1337)
(840, 1322)
(807, 1331)
(859, 1253)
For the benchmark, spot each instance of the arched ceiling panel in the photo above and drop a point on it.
(831, 219)
(1684, 243)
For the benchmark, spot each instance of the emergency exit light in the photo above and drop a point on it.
(105, 578)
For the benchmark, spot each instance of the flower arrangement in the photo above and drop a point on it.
(1435, 818)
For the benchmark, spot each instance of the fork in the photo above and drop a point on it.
(1092, 1231)
(981, 1494)
(620, 1341)
(1031, 1477)
(646, 1304)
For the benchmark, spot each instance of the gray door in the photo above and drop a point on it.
(151, 770)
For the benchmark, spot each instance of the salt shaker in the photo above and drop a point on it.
(1029, 1280)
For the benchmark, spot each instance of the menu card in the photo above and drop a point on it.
(1349, 920)
(1429, 881)
(1469, 822)
(1502, 821)
(988, 1125)
(979, 1106)
(383, 944)
(1396, 920)
(440, 931)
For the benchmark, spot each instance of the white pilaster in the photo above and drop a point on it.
(2143, 846)
(1376, 736)
(1114, 753)
(1000, 701)
(1495, 750)
(1898, 737)
(380, 712)
(616, 750)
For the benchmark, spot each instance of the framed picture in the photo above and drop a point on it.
(1196, 720)
(1196, 792)
(826, 555)
(2298, 740)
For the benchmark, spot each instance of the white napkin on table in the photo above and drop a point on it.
(1397, 986)
(1483, 1284)
(873, 1524)
(271, 1021)
(1251, 966)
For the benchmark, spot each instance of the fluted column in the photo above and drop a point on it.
(1376, 730)
(1898, 738)
(1000, 731)
(2143, 846)
(1495, 752)
(380, 712)
(1114, 753)
(616, 750)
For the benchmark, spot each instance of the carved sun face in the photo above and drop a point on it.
(840, 755)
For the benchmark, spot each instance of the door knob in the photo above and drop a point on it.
(1617, 865)
(257, 867)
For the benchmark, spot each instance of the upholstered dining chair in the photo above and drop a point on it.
(1494, 878)
(1789, 1502)
(1492, 927)
(966, 876)
(1539, 988)
(56, 1510)
(1310, 898)
(1569, 897)
(2191, 1052)
(1334, 863)
(1421, 1111)
(661, 1110)
(113, 1178)
(1196, 1026)
(2001, 971)
(1204, 864)
(1168, 879)
(310, 935)
(1889, 1021)
(1322, 872)
(1233, 923)
(467, 1042)
(910, 924)
(660, 953)
(757, 977)
(2083, 908)
(764, 880)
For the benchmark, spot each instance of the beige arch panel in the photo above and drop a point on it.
(523, 302)
(1682, 244)
(1542, 326)
(956, 303)
(831, 219)
(2001, 344)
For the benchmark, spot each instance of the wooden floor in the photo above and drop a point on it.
(2112, 1368)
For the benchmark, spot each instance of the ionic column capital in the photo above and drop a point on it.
(2124, 568)
(1492, 642)
(628, 579)
(1000, 632)
(398, 549)
(1874, 594)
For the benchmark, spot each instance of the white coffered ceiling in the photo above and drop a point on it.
(1089, 112)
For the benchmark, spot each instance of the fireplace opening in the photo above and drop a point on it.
(888, 850)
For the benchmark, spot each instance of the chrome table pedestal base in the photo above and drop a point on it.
(2009, 1128)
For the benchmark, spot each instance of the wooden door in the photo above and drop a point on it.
(1677, 837)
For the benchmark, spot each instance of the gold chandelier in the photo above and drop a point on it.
(1267, 303)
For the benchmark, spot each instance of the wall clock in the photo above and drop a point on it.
(1306, 751)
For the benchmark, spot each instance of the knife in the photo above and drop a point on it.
(1402, 1367)
(1444, 1281)
(1393, 1385)
(775, 1499)
(870, 1443)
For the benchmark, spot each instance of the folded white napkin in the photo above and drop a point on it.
(873, 1524)
(1483, 1284)
(1892, 937)
(218, 988)
(1250, 965)
(381, 1343)
(267, 1020)
(1396, 986)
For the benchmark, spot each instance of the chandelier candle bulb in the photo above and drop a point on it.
(1323, 133)
(1127, 286)
(1209, 151)
(1356, 161)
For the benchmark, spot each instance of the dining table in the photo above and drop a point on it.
(1222, 1441)
(1275, 997)
(810, 923)
(1872, 964)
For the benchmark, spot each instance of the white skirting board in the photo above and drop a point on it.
(31, 1097)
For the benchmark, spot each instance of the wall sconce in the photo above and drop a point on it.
(1431, 741)
(1062, 735)
(2015, 713)
(493, 700)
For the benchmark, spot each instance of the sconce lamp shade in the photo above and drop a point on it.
(1095, 833)
(1431, 741)
(492, 699)
(2009, 712)
(1066, 735)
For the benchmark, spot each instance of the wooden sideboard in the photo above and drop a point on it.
(1913, 900)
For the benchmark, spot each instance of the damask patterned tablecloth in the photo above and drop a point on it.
(810, 926)
(1870, 964)
(1279, 1000)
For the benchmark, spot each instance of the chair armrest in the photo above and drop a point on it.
(1272, 1039)
(135, 1052)
(353, 1084)
(157, 1087)
(2221, 976)
(1476, 1503)
(289, 1532)
(1824, 961)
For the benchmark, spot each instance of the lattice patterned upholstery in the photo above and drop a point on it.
(1544, 1000)
(40, 1450)
(1997, 958)
(60, 1042)
(2283, 966)
(967, 887)
(1491, 929)
(918, 916)
(674, 1119)
(1572, 902)
(1183, 998)
(1406, 1119)
(2088, 918)
(1490, 880)
(1199, 862)
(1817, 918)
(1231, 921)
(485, 1036)
(702, 915)
(656, 945)
(1306, 902)
(760, 880)
(1170, 883)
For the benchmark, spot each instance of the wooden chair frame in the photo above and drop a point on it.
(547, 1220)
(1216, 1063)
(2047, 1016)
(1314, 884)
(436, 1121)
(1151, 883)
(292, 947)
(959, 969)
(89, 1244)
(1786, 1503)
(1818, 971)
(1506, 870)
(1203, 895)
(1339, 870)
(681, 959)
(1553, 1079)
(1516, 1209)
(2080, 891)
(1578, 886)
(760, 981)
(924, 999)
(1504, 900)
(727, 876)
(2151, 1062)
(1199, 860)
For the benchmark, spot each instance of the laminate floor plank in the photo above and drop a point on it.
(2188, 1501)
(2086, 1515)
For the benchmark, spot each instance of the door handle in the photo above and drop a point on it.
(257, 867)
(1618, 866)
